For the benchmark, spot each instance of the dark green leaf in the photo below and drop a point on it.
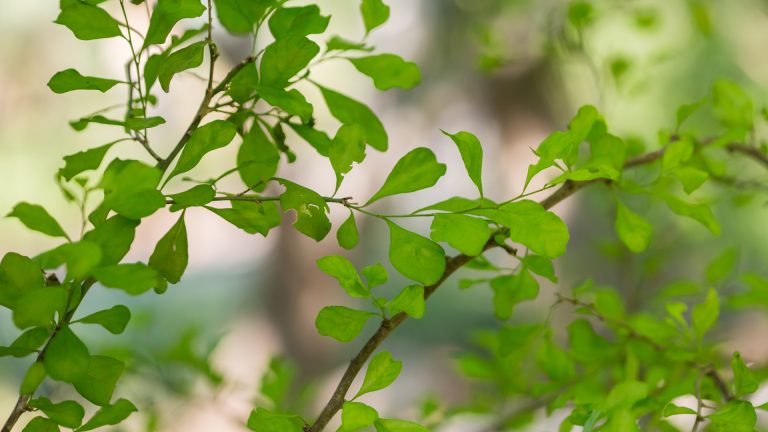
(114, 319)
(298, 21)
(130, 188)
(317, 139)
(67, 413)
(375, 13)
(37, 306)
(240, 16)
(388, 71)
(699, 212)
(257, 159)
(472, 154)
(291, 101)
(311, 210)
(186, 58)
(704, 315)
(170, 255)
(114, 236)
(84, 161)
(284, 58)
(196, 196)
(66, 358)
(732, 105)
(382, 371)
(734, 416)
(110, 415)
(33, 378)
(722, 266)
(397, 425)
(87, 21)
(99, 381)
(351, 112)
(205, 139)
(341, 323)
(41, 424)
(415, 257)
(419, 169)
(134, 278)
(744, 380)
(70, 79)
(467, 234)
(337, 43)
(166, 14)
(37, 218)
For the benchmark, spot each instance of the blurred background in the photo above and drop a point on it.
(510, 71)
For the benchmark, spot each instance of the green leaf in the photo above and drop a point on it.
(311, 210)
(18, 275)
(722, 266)
(382, 371)
(356, 416)
(465, 233)
(459, 205)
(251, 217)
(291, 101)
(415, 257)
(276, 382)
(41, 424)
(690, 177)
(397, 425)
(337, 43)
(732, 105)
(114, 319)
(186, 58)
(734, 416)
(83, 161)
(114, 237)
(245, 84)
(257, 159)
(541, 266)
(375, 13)
(626, 394)
(99, 381)
(687, 110)
(375, 275)
(671, 409)
(196, 196)
(676, 152)
(133, 123)
(510, 290)
(418, 169)
(134, 278)
(130, 188)
(744, 381)
(388, 71)
(86, 21)
(634, 231)
(262, 420)
(70, 79)
(472, 154)
(531, 225)
(205, 139)
(347, 235)
(317, 139)
(698, 212)
(351, 112)
(704, 315)
(341, 323)
(170, 256)
(554, 361)
(36, 308)
(410, 300)
(297, 21)
(166, 14)
(110, 415)
(284, 58)
(240, 16)
(36, 218)
(66, 357)
(67, 413)
(558, 145)
(343, 271)
(347, 147)
(33, 378)
(80, 258)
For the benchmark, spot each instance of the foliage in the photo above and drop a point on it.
(617, 370)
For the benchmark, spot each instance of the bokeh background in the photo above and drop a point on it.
(510, 71)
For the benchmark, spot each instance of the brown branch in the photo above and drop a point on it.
(754, 152)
